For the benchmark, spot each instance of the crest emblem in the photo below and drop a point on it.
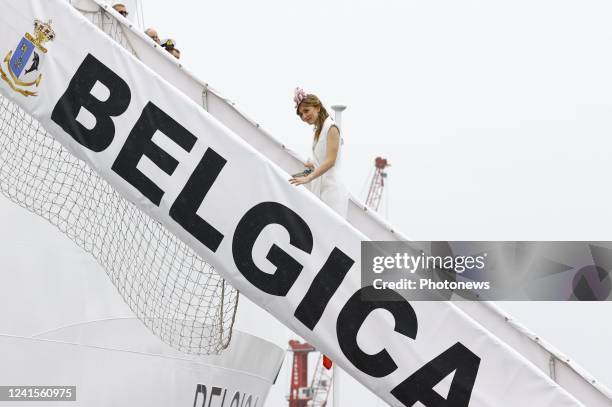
(21, 67)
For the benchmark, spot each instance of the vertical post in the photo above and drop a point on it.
(552, 368)
(338, 109)
(140, 10)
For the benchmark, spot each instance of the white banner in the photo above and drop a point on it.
(278, 244)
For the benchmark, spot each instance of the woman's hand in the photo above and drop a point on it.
(333, 145)
(301, 180)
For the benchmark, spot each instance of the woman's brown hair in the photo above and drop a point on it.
(313, 101)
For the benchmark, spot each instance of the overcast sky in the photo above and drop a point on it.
(494, 115)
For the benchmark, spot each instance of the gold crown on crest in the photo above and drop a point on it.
(43, 32)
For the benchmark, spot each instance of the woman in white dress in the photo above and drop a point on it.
(324, 179)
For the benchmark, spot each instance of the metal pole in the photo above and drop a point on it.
(552, 368)
(338, 109)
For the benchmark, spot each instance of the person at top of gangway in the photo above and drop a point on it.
(323, 173)
(152, 33)
(121, 9)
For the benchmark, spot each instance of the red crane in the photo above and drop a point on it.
(301, 392)
(378, 183)
(299, 388)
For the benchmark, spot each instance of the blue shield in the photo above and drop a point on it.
(22, 54)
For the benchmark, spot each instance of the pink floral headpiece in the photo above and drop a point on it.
(299, 96)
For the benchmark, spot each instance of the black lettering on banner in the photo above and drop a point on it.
(419, 386)
(216, 391)
(249, 401)
(140, 143)
(78, 95)
(200, 389)
(224, 394)
(184, 208)
(323, 287)
(352, 316)
(287, 268)
(236, 399)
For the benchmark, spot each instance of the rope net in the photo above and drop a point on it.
(172, 290)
